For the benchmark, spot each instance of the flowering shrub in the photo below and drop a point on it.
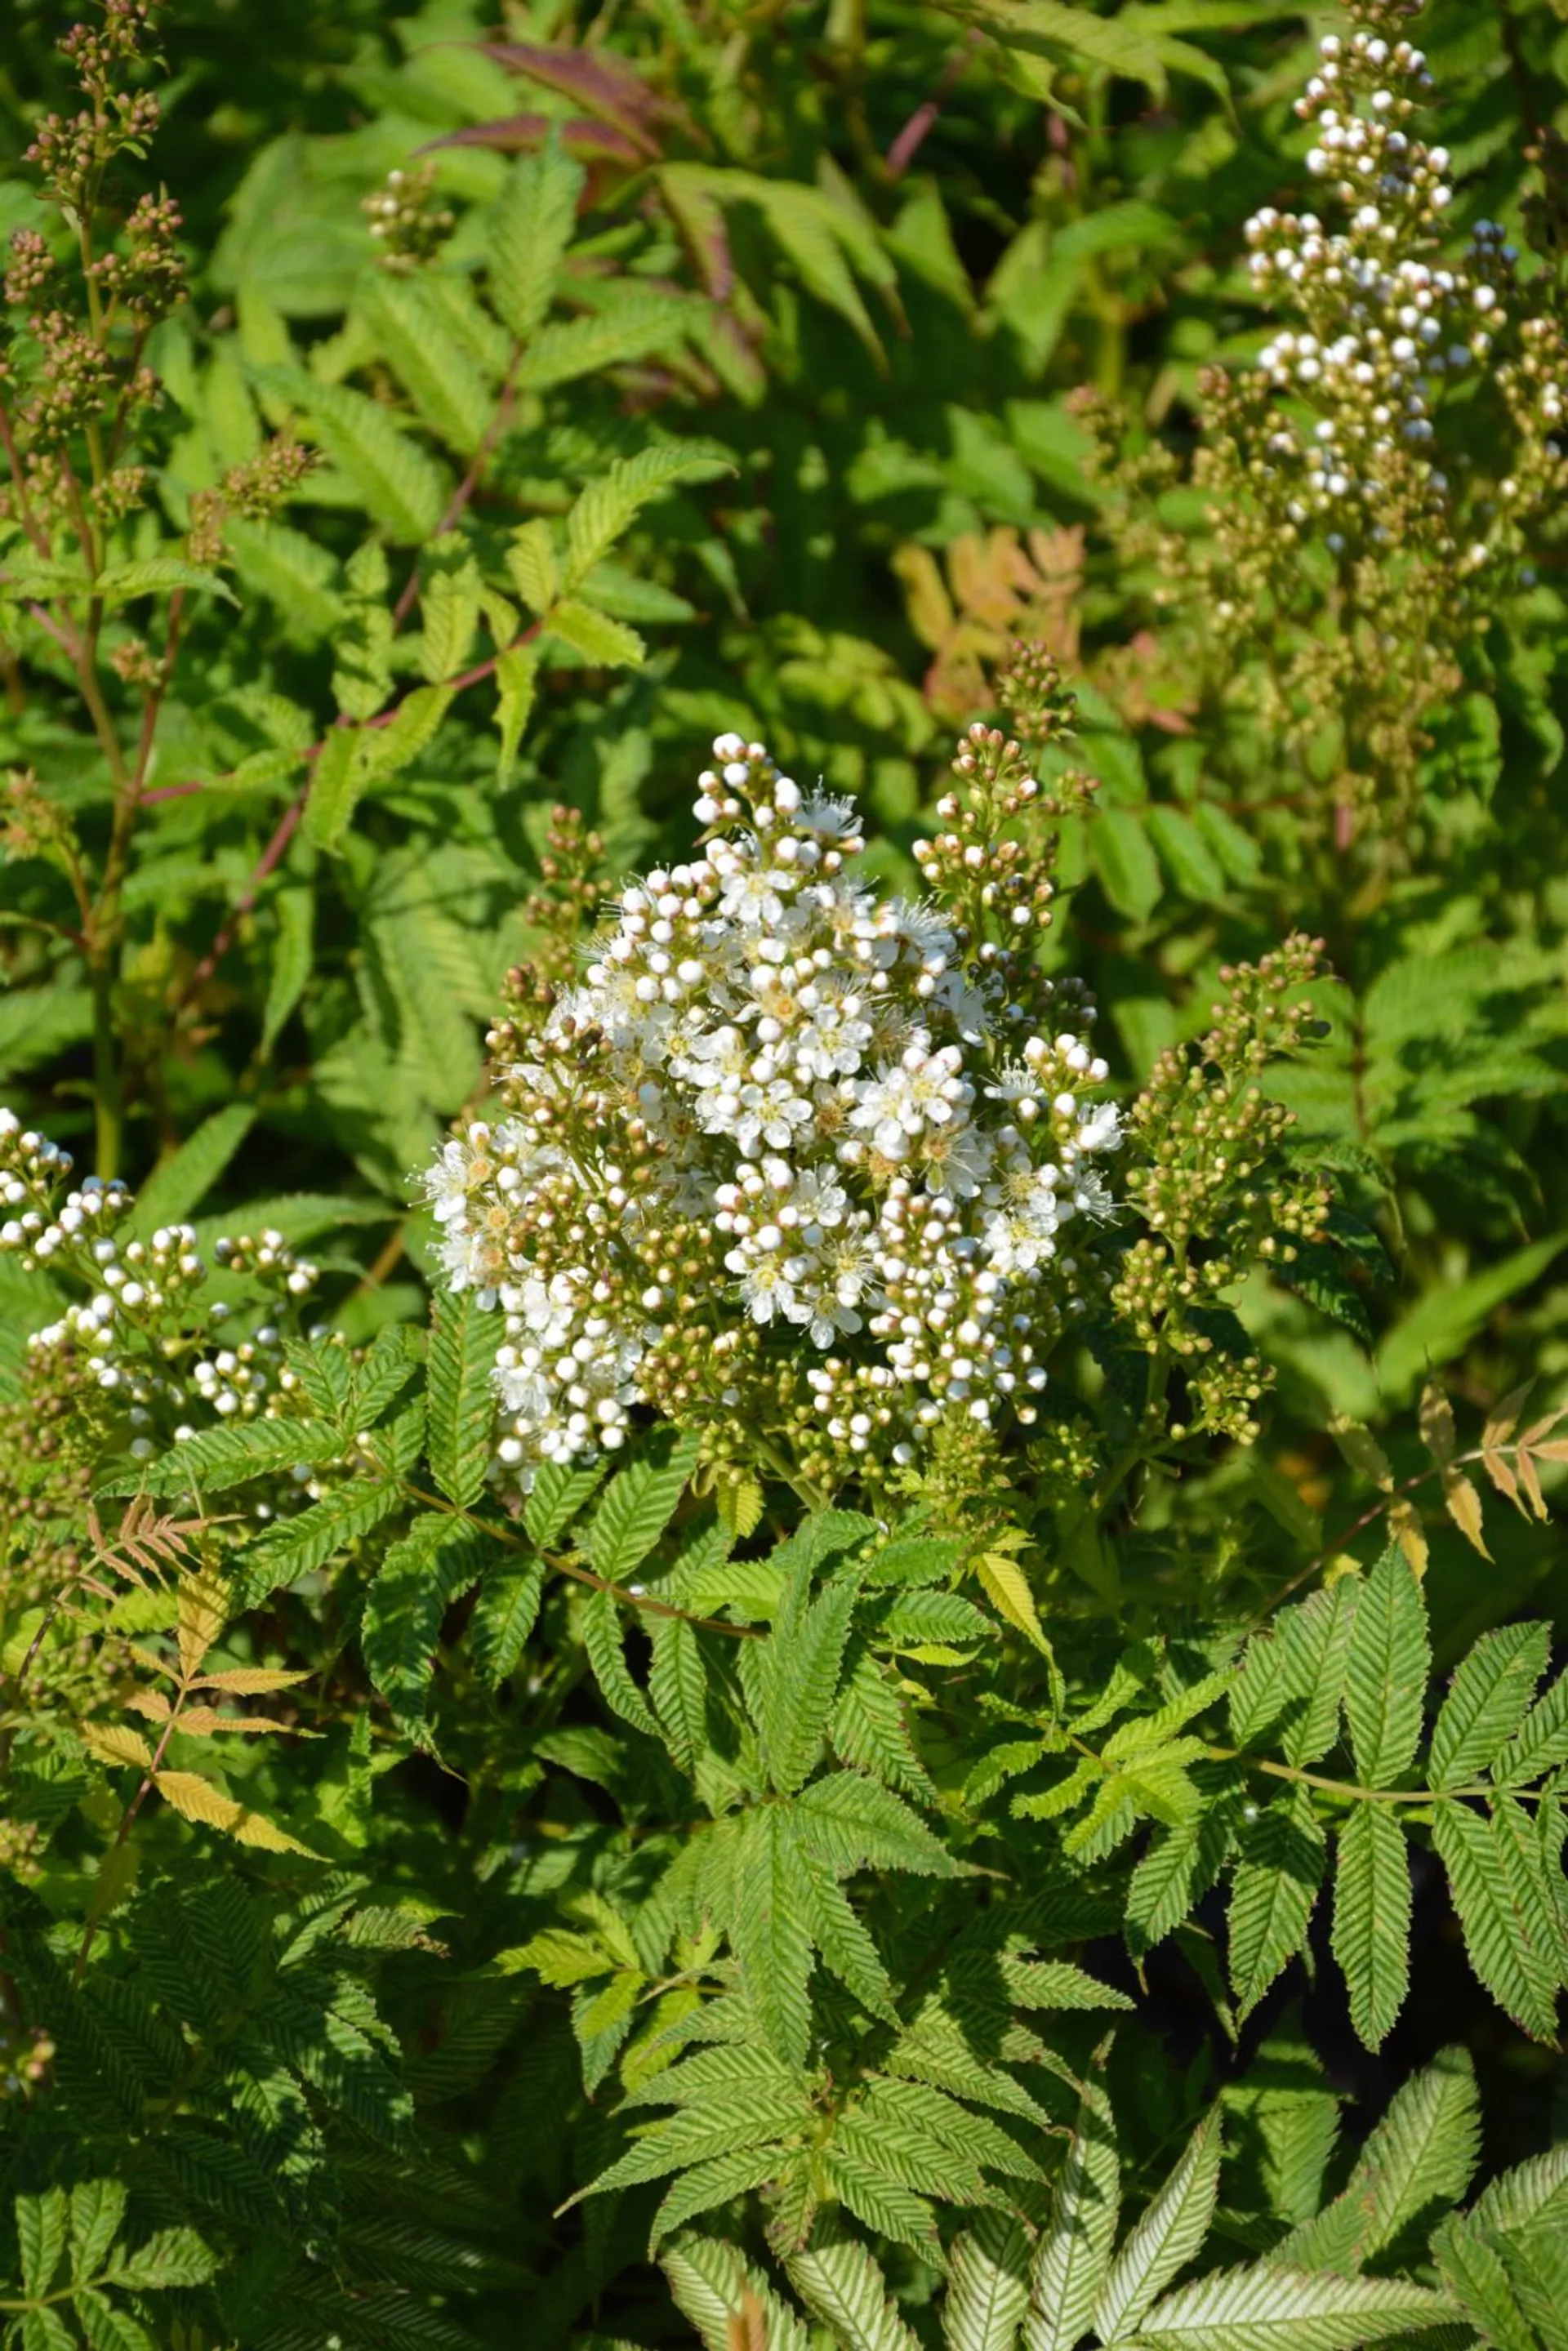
(815, 1597)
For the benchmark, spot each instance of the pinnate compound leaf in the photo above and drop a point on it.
(848, 1823)
(1372, 1918)
(41, 2235)
(298, 1545)
(195, 1799)
(530, 229)
(769, 1932)
(1271, 1899)
(712, 2283)
(1487, 1701)
(988, 2285)
(1419, 2160)
(503, 1616)
(1386, 1672)
(719, 2181)
(460, 1395)
(842, 2288)
(636, 1507)
(1273, 2309)
(1513, 1947)
(1169, 2235)
(219, 1458)
(1472, 2270)
(799, 1681)
(403, 488)
(601, 1637)
(607, 508)
(1073, 2254)
(418, 1580)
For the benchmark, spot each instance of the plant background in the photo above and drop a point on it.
(869, 346)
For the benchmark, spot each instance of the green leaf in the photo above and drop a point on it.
(607, 508)
(41, 2235)
(219, 1458)
(801, 1662)
(712, 2283)
(180, 1183)
(1120, 853)
(531, 228)
(338, 779)
(1386, 1672)
(98, 2208)
(460, 1394)
(1444, 1321)
(1541, 1742)
(1073, 2254)
(1508, 1915)
(159, 575)
(842, 2288)
(851, 1822)
(106, 2328)
(601, 1637)
(170, 2258)
(603, 642)
(769, 1933)
(1186, 854)
(298, 1545)
(292, 954)
(1472, 2270)
(516, 671)
(719, 2181)
(1418, 2160)
(639, 325)
(1372, 1919)
(504, 1615)
(1270, 2309)
(988, 2285)
(418, 1580)
(677, 1683)
(559, 1494)
(403, 488)
(1486, 1702)
(637, 1505)
(1272, 1898)
(1170, 2234)
(410, 331)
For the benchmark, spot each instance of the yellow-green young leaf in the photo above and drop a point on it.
(1435, 1419)
(1363, 1451)
(249, 1681)
(516, 671)
(739, 1503)
(530, 229)
(531, 560)
(1405, 1526)
(112, 1743)
(201, 1616)
(604, 642)
(387, 750)
(1007, 1588)
(195, 1799)
(1463, 1504)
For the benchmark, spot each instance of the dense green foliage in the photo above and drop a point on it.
(1016, 1794)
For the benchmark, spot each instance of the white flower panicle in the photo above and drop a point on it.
(1388, 320)
(817, 1097)
(139, 1336)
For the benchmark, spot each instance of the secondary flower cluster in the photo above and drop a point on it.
(789, 1137)
(141, 1345)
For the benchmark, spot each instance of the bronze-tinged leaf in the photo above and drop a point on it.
(153, 1662)
(111, 1743)
(1529, 1477)
(522, 134)
(205, 1721)
(249, 1681)
(204, 1608)
(1405, 1526)
(195, 1799)
(1464, 1507)
(1499, 1471)
(1436, 1421)
(601, 84)
(1361, 1450)
(1503, 1417)
(153, 1704)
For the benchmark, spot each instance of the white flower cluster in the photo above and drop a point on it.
(881, 1158)
(134, 1286)
(1388, 322)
